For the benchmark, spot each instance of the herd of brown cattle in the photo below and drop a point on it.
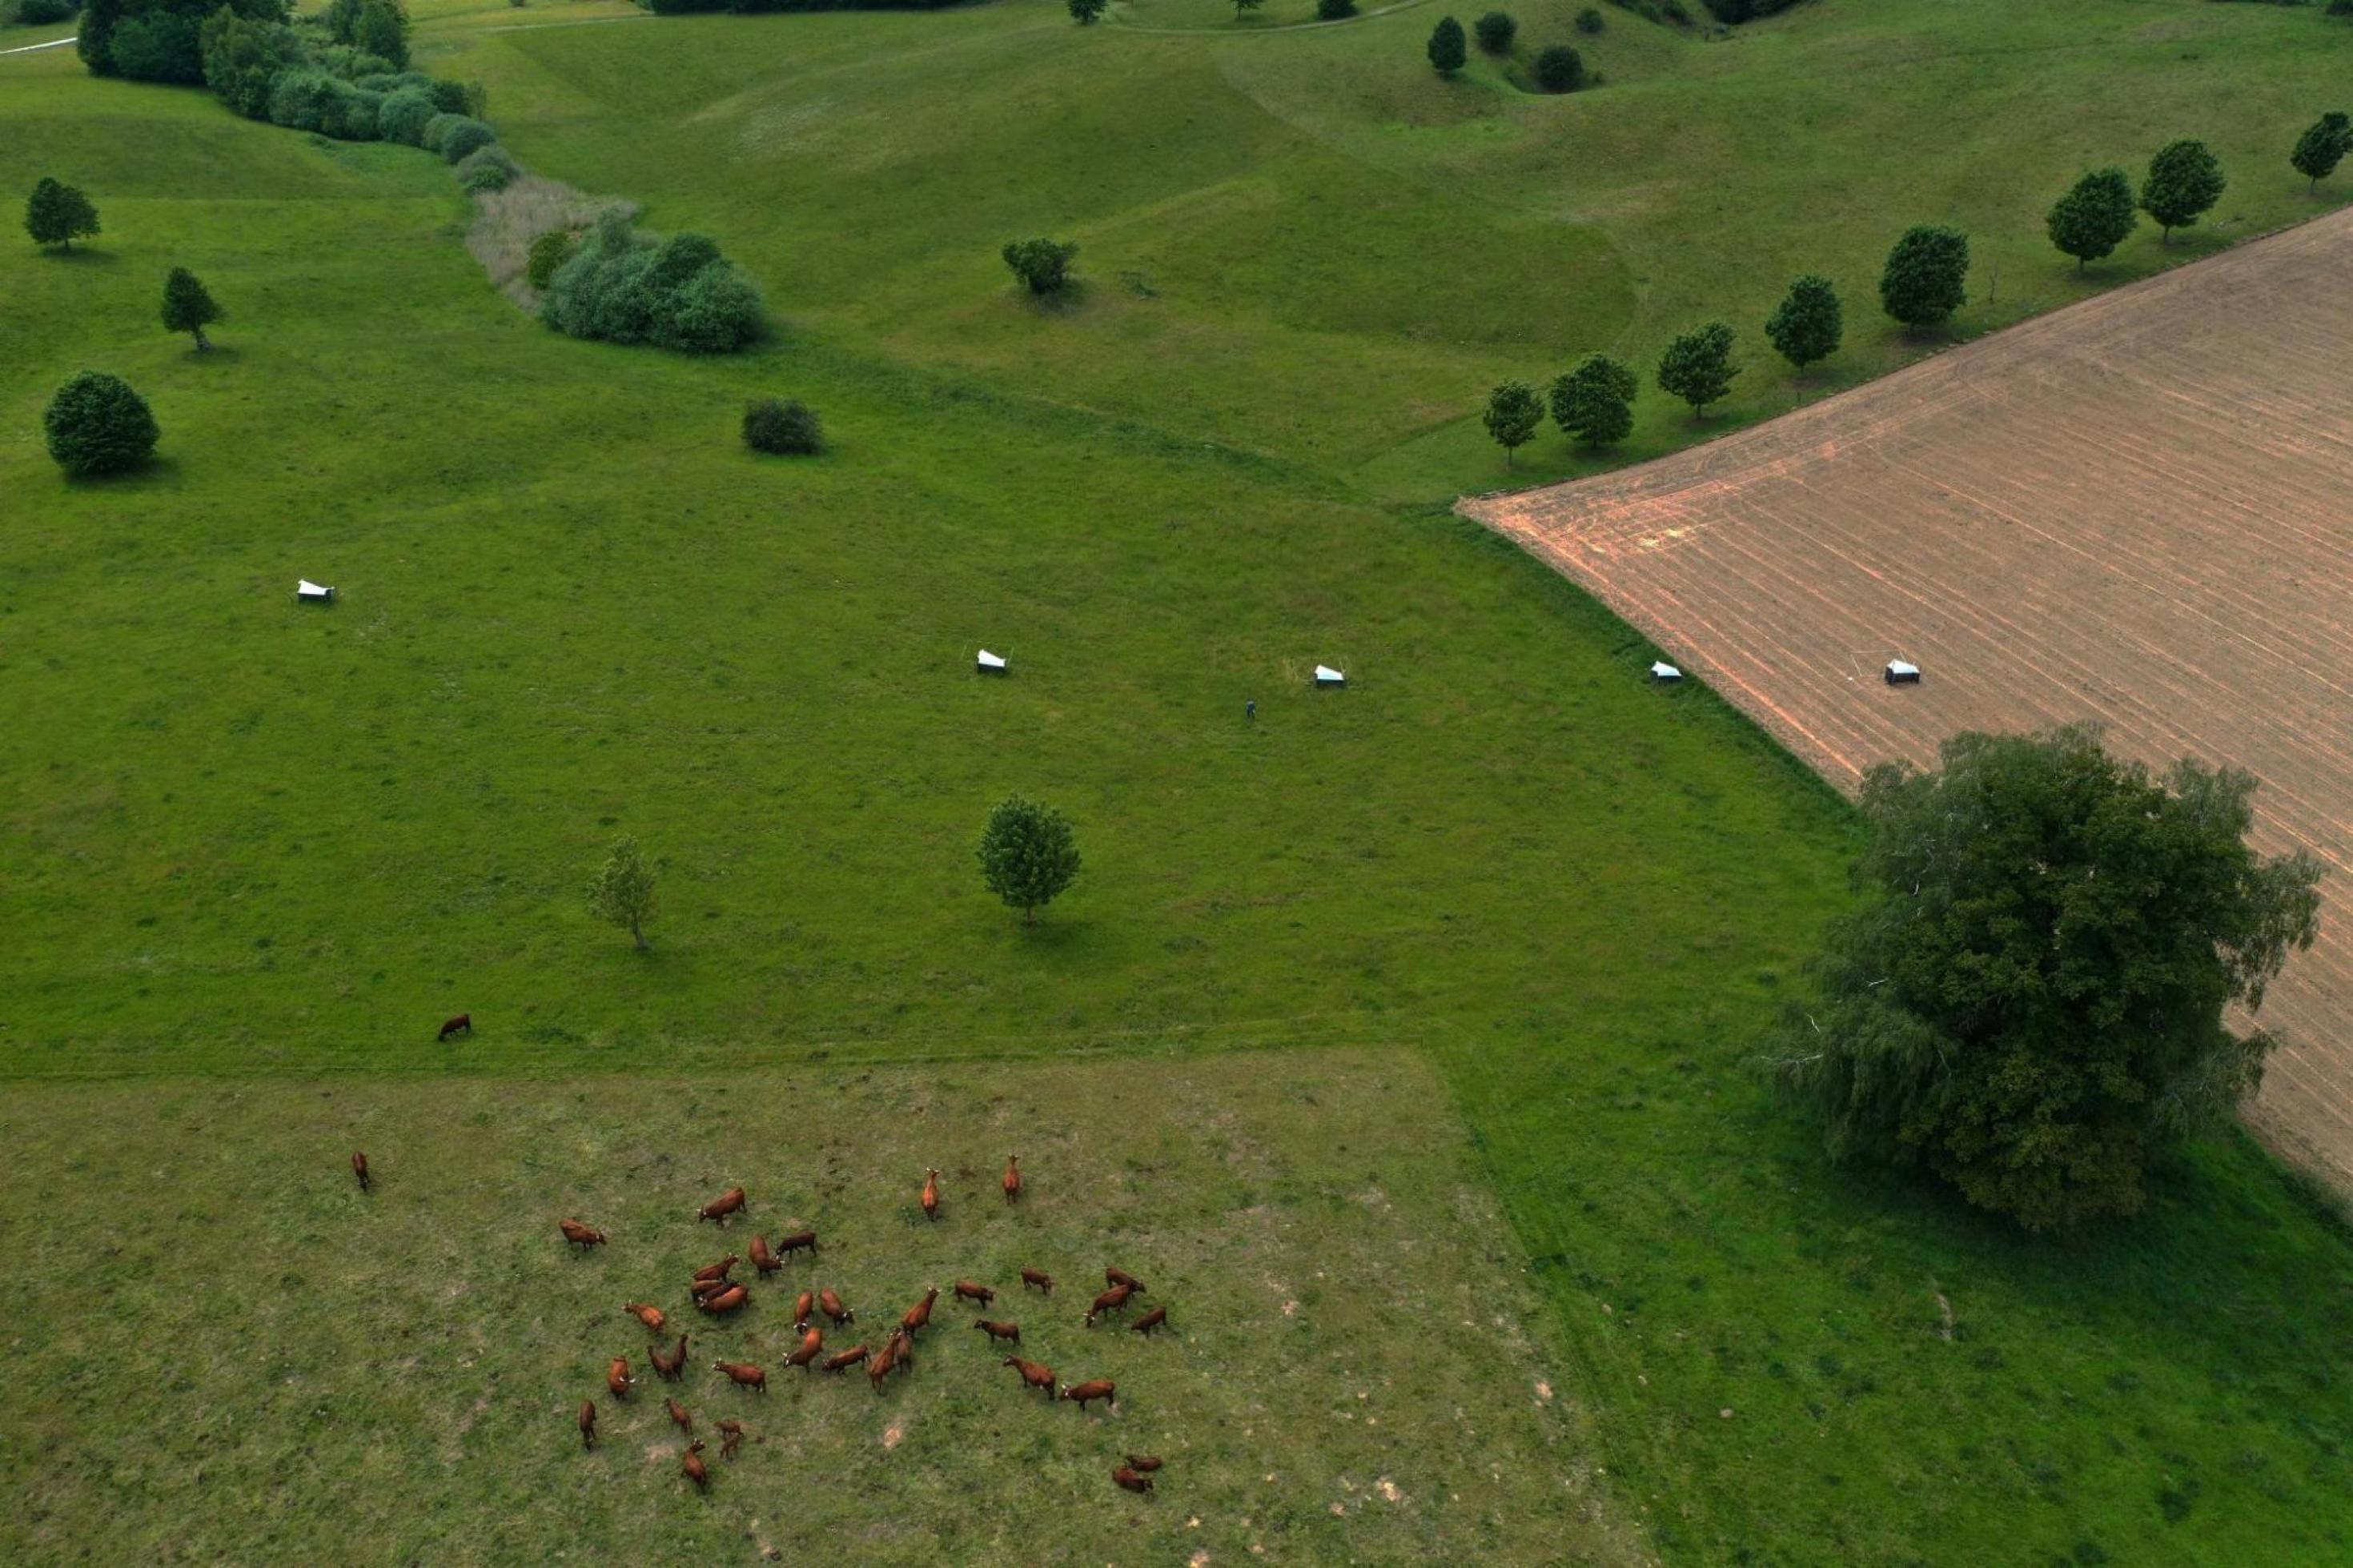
(712, 1292)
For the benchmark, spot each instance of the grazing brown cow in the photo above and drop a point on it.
(704, 1289)
(1101, 1388)
(902, 1350)
(811, 1342)
(719, 1208)
(1147, 1463)
(967, 1291)
(583, 1236)
(930, 1193)
(463, 1022)
(1044, 1281)
(1150, 1321)
(678, 1414)
(651, 1317)
(742, 1374)
(802, 1305)
(920, 1314)
(730, 1437)
(765, 1262)
(788, 1245)
(1111, 1300)
(727, 1301)
(1130, 1480)
(359, 1169)
(995, 1330)
(1121, 1277)
(1033, 1374)
(845, 1360)
(830, 1305)
(691, 1464)
(718, 1270)
(587, 1422)
(618, 1378)
(878, 1366)
(670, 1365)
(1012, 1177)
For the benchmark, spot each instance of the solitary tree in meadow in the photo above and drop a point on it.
(188, 307)
(1044, 265)
(1084, 12)
(1697, 366)
(1027, 854)
(1928, 275)
(1808, 323)
(2185, 180)
(1593, 403)
(2033, 996)
(1560, 68)
(1513, 412)
(1496, 30)
(1449, 50)
(1243, 6)
(2095, 216)
(59, 215)
(2320, 149)
(623, 891)
(97, 425)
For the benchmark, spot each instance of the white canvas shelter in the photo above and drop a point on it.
(1662, 670)
(1902, 674)
(306, 589)
(1327, 675)
(989, 663)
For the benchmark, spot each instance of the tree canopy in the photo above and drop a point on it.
(1594, 402)
(1927, 274)
(1808, 323)
(1513, 412)
(1559, 69)
(1496, 30)
(2322, 147)
(97, 425)
(1697, 366)
(59, 215)
(2029, 1002)
(1029, 855)
(2185, 180)
(1084, 12)
(1449, 50)
(1042, 264)
(188, 307)
(2095, 216)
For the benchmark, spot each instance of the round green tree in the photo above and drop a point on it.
(2322, 147)
(1086, 11)
(188, 307)
(2185, 180)
(1808, 323)
(2033, 996)
(59, 215)
(1042, 264)
(1927, 277)
(1027, 854)
(1496, 30)
(1697, 366)
(2095, 216)
(97, 425)
(1560, 70)
(782, 425)
(1449, 50)
(1513, 412)
(1593, 403)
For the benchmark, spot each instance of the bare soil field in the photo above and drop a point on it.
(2137, 510)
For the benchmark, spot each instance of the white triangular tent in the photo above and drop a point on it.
(1662, 670)
(1327, 675)
(1902, 674)
(987, 663)
(306, 589)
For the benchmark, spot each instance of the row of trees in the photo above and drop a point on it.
(1558, 68)
(163, 40)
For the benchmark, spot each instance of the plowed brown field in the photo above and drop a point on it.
(2138, 511)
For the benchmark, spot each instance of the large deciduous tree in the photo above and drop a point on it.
(1594, 402)
(1697, 366)
(1927, 274)
(1808, 323)
(1027, 854)
(2095, 216)
(2031, 1000)
(59, 215)
(2185, 180)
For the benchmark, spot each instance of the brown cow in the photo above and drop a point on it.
(1147, 1463)
(587, 1422)
(930, 1193)
(788, 1245)
(830, 1305)
(1150, 1321)
(719, 1208)
(678, 1414)
(1130, 1480)
(920, 1314)
(802, 1305)
(742, 1374)
(811, 1342)
(1101, 1388)
(583, 1236)
(1121, 1277)
(618, 1378)
(844, 1361)
(463, 1021)
(967, 1291)
(878, 1366)
(995, 1330)
(650, 1316)
(718, 1270)
(670, 1365)
(1041, 1279)
(704, 1289)
(1012, 1177)
(359, 1169)
(727, 1301)
(765, 1262)
(1033, 1374)
(902, 1350)
(691, 1464)
(1111, 1300)
(730, 1437)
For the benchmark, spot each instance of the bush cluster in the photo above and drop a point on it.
(37, 13)
(625, 287)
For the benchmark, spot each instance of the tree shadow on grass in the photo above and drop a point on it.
(1068, 300)
(219, 353)
(81, 256)
(160, 473)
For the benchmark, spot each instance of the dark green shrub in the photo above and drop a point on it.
(436, 128)
(1589, 21)
(158, 45)
(403, 116)
(464, 137)
(487, 168)
(351, 114)
(782, 427)
(41, 13)
(1560, 70)
(548, 252)
(1334, 10)
(622, 287)
(241, 58)
(1496, 30)
(97, 425)
(2340, 8)
(1044, 265)
(299, 100)
(1446, 48)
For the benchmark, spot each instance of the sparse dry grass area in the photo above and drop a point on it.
(506, 222)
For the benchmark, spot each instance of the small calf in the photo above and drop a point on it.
(359, 1169)
(462, 1022)
(1147, 1463)
(742, 1374)
(1101, 1388)
(690, 1466)
(583, 1236)
(930, 1193)
(967, 1291)
(1150, 1321)
(996, 1331)
(1130, 1480)
(730, 1437)
(1044, 1281)
(1012, 1177)
(681, 1416)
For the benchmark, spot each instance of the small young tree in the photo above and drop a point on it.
(549, 252)
(622, 892)
(2185, 180)
(187, 306)
(1085, 12)
(787, 427)
(2033, 996)
(2320, 149)
(1808, 323)
(1042, 264)
(1449, 51)
(1588, 21)
(1027, 854)
(97, 425)
(1560, 70)
(2095, 216)
(1243, 6)
(1697, 366)
(1593, 403)
(59, 215)
(1927, 275)
(1513, 412)
(1496, 30)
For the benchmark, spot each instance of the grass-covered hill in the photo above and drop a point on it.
(244, 838)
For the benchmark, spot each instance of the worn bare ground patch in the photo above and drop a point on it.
(507, 221)
(2137, 510)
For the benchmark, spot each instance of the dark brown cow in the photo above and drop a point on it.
(1039, 1278)
(967, 1291)
(788, 1245)
(1150, 1321)
(719, 1208)
(1033, 1374)
(996, 1331)
(830, 1305)
(718, 1270)
(730, 1437)
(462, 1022)
(691, 1464)
(583, 1236)
(1130, 1480)
(920, 1314)
(742, 1374)
(1101, 1388)
(359, 1169)
(843, 1362)
(681, 1416)
(1111, 1300)
(587, 1422)
(670, 1365)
